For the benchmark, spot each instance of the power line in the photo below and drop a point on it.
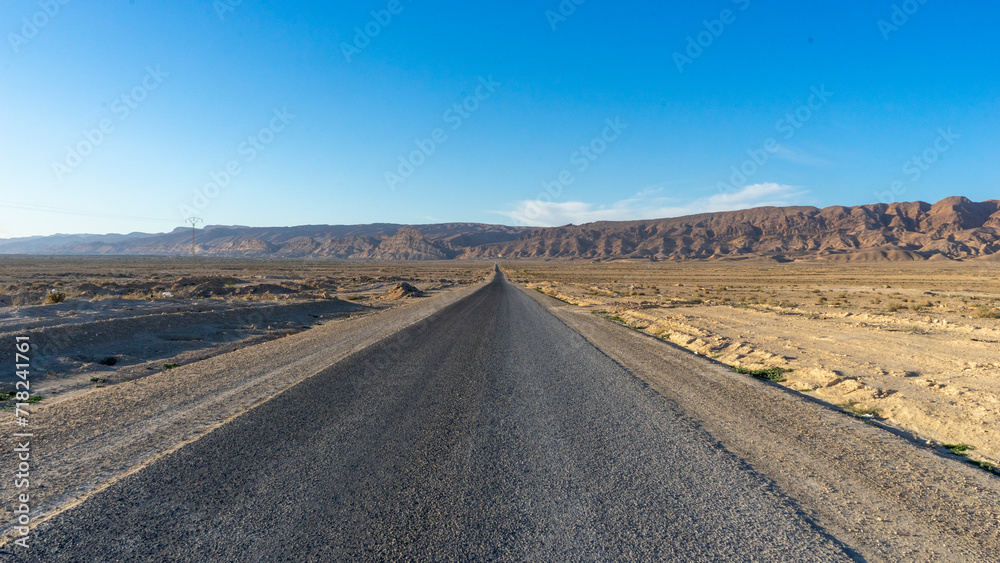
(65, 211)
(194, 221)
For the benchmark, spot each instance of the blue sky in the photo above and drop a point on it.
(133, 115)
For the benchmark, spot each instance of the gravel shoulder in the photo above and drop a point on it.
(85, 441)
(881, 493)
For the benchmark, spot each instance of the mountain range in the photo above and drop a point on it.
(953, 228)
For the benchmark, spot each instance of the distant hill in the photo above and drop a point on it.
(36, 245)
(953, 228)
(383, 241)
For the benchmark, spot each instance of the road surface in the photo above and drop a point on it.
(488, 431)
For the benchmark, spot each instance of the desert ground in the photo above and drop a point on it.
(134, 359)
(99, 321)
(914, 345)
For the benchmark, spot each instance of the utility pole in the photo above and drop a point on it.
(194, 221)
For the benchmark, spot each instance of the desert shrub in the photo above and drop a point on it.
(855, 408)
(959, 449)
(984, 465)
(986, 312)
(55, 297)
(775, 374)
(893, 307)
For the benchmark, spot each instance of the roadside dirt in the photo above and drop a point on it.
(914, 346)
(97, 350)
(96, 321)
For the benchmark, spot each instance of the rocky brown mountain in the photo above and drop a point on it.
(953, 228)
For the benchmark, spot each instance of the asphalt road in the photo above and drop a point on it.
(489, 431)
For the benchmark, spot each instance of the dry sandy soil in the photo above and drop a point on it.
(96, 321)
(915, 345)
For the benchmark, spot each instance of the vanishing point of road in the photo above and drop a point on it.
(488, 431)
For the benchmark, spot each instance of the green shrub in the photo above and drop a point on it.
(774, 374)
(959, 449)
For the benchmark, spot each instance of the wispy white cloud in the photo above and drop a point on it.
(650, 205)
(801, 156)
